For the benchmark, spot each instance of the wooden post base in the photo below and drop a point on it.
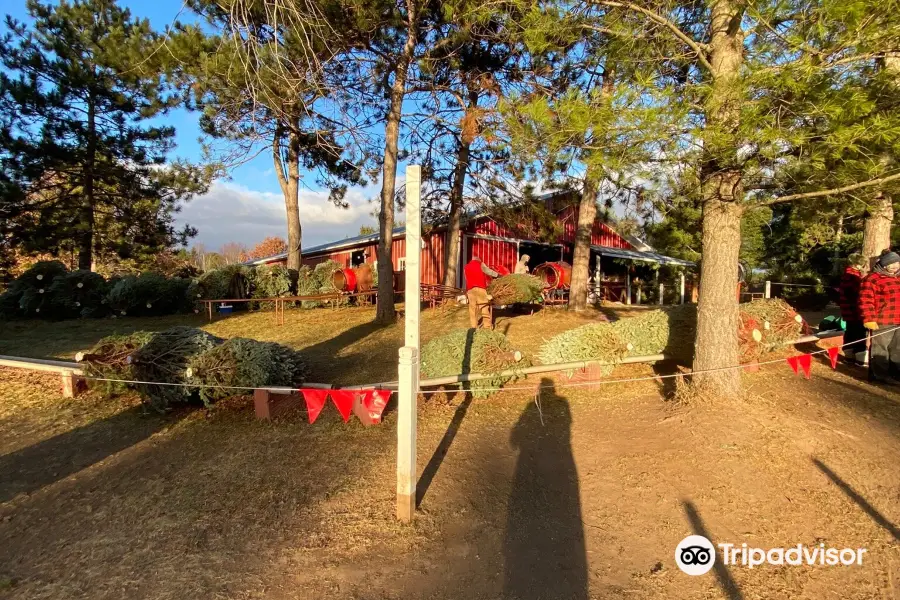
(71, 384)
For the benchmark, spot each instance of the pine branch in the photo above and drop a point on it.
(831, 192)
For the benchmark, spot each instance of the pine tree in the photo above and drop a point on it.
(263, 81)
(776, 97)
(92, 171)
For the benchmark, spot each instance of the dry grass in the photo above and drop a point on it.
(100, 501)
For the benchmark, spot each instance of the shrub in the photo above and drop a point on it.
(471, 351)
(242, 361)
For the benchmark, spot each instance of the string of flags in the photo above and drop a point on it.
(804, 361)
(366, 404)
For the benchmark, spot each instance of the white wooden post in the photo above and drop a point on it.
(768, 289)
(640, 287)
(661, 289)
(408, 369)
(628, 288)
(681, 283)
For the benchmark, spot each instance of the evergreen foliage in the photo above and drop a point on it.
(165, 358)
(244, 362)
(471, 351)
(514, 289)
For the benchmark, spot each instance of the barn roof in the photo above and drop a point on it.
(328, 247)
(642, 255)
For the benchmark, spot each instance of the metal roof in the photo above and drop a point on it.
(642, 256)
(338, 245)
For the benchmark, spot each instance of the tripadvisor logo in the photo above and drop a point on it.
(695, 555)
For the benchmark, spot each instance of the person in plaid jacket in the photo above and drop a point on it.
(854, 332)
(879, 307)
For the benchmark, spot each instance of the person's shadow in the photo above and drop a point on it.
(544, 550)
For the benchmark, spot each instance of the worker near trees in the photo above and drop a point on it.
(854, 332)
(477, 274)
(522, 265)
(879, 307)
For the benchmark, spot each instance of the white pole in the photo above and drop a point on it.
(768, 289)
(639, 294)
(681, 283)
(628, 288)
(661, 288)
(408, 369)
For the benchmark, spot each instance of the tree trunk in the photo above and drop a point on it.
(384, 312)
(451, 252)
(289, 180)
(877, 232)
(836, 253)
(717, 308)
(581, 261)
(86, 210)
(716, 345)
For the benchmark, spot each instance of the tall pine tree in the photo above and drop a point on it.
(81, 84)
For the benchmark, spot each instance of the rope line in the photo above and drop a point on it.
(494, 389)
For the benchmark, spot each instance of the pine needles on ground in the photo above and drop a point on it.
(515, 289)
(244, 362)
(470, 351)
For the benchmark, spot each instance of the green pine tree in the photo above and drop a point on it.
(81, 86)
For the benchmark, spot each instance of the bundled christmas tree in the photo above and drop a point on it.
(165, 358)
(777, 321)
(670, 329)
(78, 294)
(110, 359)
(244, 362)
(471, 351)
(595, 341)
(148, 294)
(27, 296)
(515, 289)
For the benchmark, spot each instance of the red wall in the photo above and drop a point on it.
(494, 253)
(602, 235)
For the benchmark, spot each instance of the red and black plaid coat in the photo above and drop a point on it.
(879, 299)
(849, 289)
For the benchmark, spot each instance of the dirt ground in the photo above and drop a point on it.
(582, 494)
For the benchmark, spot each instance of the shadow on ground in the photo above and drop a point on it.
(45, 462)
(860, 501)
(544, 549)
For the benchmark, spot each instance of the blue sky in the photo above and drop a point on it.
(248, 206)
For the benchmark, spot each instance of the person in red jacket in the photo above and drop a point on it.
(879, 307)
(477, 274)
(854, 332)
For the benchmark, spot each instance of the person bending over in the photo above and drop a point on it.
(477, 274)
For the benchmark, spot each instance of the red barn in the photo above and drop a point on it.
(497, 244)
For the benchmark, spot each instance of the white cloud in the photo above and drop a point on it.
(233, 213)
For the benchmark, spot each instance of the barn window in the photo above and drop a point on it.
(401, 264)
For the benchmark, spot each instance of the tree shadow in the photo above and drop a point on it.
(544, 546)
(726, 582)
(365, 367)
(851, 493)
(434, 463)
(43, 463)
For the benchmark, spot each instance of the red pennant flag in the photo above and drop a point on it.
(315, 402)
(374, 402)
(833, 355)
(792, 360)
(343, 400)
(805, 361)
